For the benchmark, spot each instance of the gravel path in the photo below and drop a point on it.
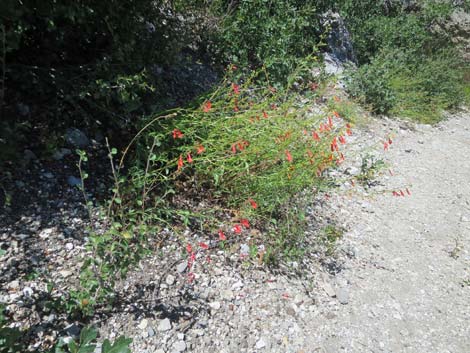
(406, 286)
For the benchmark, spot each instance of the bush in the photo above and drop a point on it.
(418, 88)
(238, 156)
(86, 61)
(407, 69)
(274, 34)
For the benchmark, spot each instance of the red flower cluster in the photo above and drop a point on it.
(222, 235)
(401, 193)
(334, 145)
(199, 149)
(235, 88)
(240, 146)
(177, 134)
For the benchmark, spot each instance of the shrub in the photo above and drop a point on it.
(274, 34)
(420, 88)
(244, 151)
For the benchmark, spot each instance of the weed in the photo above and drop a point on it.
(86, 341)
(329, 236)
(370, 166)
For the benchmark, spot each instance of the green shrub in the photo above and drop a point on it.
(274, 34)
(420, 88)
(245, 150)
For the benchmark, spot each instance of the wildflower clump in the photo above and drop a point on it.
(247, 147)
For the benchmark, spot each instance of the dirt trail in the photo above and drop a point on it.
(406, 284)
(404, 262)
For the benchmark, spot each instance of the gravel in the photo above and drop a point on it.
(395, 282)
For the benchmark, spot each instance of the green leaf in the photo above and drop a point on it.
(87, 349)
(87, 335)
(121, 345)
(73, 348)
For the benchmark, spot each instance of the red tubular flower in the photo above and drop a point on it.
(253, 203)
(234, 149)
(191, 277)
(245, 223)
(402, 193)
(288, 156)
(408, 191)
(352, 183)
(235, 109)
(204, 245)
(189, 158)
(235, 88)
(334, 145)
(191, 260)
(385, 145)
(348, 132)
(265, 115)
(340, 159)
(315, 136)
(330, 122)
(394, 193)
(207, 107)
(342, 140)
(222, 235)
(200, 149)
(336, 114)
(390, 141)
(237, 229)
(189, 248)
(177, 134)
(180, 162)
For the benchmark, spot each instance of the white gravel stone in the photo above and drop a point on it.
(164, 325)
(179, 346)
